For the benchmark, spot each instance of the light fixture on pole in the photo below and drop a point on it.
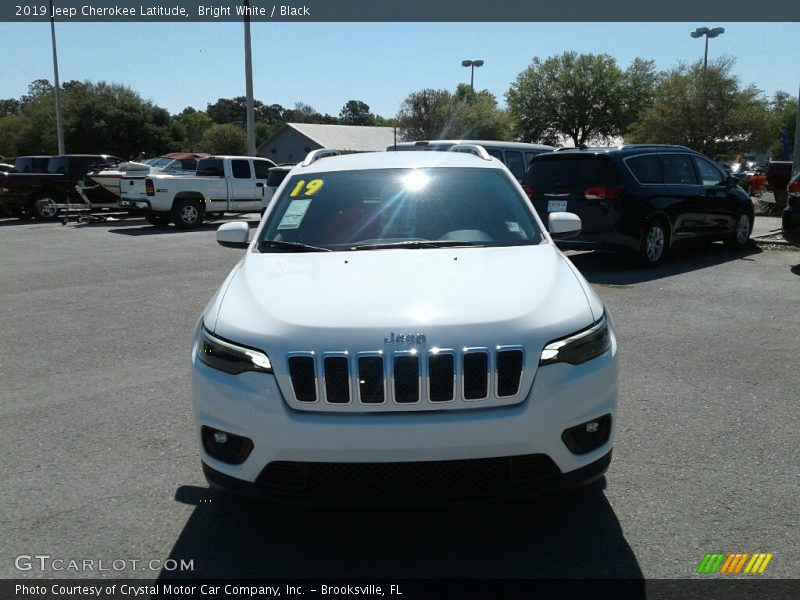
(472, 64)
(708, 33)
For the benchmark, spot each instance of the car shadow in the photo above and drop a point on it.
(572, 536)
(795, 269)
(604, 268)
(11, 221)
(147, 229)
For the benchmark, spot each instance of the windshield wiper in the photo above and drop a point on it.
(417, 244)
(293, 246)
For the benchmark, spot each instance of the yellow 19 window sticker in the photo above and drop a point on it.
(307, 190)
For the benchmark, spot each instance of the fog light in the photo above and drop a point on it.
(224, 446)
(587, 436)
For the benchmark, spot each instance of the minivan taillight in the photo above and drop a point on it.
(529, 190)
(149, 187)
(794, 186)
(605, 192)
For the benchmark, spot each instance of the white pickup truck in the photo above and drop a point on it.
(222, 184)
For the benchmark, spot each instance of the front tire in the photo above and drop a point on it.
(158, 219)
(741, 232)
(654, 244)
(45, 208)
(188, 213)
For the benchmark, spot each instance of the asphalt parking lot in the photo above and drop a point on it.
(99, 460)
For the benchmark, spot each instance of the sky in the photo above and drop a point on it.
(176, 65)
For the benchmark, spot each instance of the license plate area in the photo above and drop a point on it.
(556, 206)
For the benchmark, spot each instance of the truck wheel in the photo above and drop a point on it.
(188, 213)
(158, 219)
(45, 207)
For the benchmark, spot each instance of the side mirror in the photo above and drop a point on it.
(731, 181)
(563, 225)
(234, 235)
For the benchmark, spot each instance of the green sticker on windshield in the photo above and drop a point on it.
(294, 214)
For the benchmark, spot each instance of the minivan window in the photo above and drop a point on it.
(563, 173)
(515, 164)
(709, 174)
(496, 153)
(646, 169)
(678, 169)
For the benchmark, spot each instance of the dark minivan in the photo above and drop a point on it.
(642, 198)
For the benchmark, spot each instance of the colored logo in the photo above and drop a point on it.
(734, 563)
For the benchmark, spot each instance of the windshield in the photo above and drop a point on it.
(158, 162)
(412, 208)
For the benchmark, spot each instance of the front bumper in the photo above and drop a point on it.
(368, 486)
(251, 405)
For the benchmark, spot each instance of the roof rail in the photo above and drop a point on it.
(315, 155)
(625, 146)
(475, 149)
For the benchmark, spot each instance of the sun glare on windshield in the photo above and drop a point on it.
(415, 181)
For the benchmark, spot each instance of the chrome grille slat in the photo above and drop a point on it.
(471, 377)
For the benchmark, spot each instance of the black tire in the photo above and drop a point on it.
(188, 213)
(158, 219)
(740, 236)
(654, 244)
(44, 207)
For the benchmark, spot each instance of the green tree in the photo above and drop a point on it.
(425, 115)
(640, 81)
(782, 113)
(356, 112)
(711, 113)
(224, 139)
(111, 118)
(466, 114)
(10, 106)
(581, 97)
(192, 127)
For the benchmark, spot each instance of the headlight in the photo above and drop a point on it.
(229, 357)
(578, 347)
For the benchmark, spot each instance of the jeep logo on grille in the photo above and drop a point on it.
(407, 338)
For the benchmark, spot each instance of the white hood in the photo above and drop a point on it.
(352, 301)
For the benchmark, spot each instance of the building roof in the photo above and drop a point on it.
(355, 138)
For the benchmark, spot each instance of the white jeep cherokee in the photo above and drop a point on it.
(402, 327)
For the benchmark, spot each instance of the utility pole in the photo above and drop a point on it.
(796, 163)
(59, 125)
(248, 76)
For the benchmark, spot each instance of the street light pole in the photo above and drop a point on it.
(59, 125)
(707, 33)
(248, 77)
(472, 64)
